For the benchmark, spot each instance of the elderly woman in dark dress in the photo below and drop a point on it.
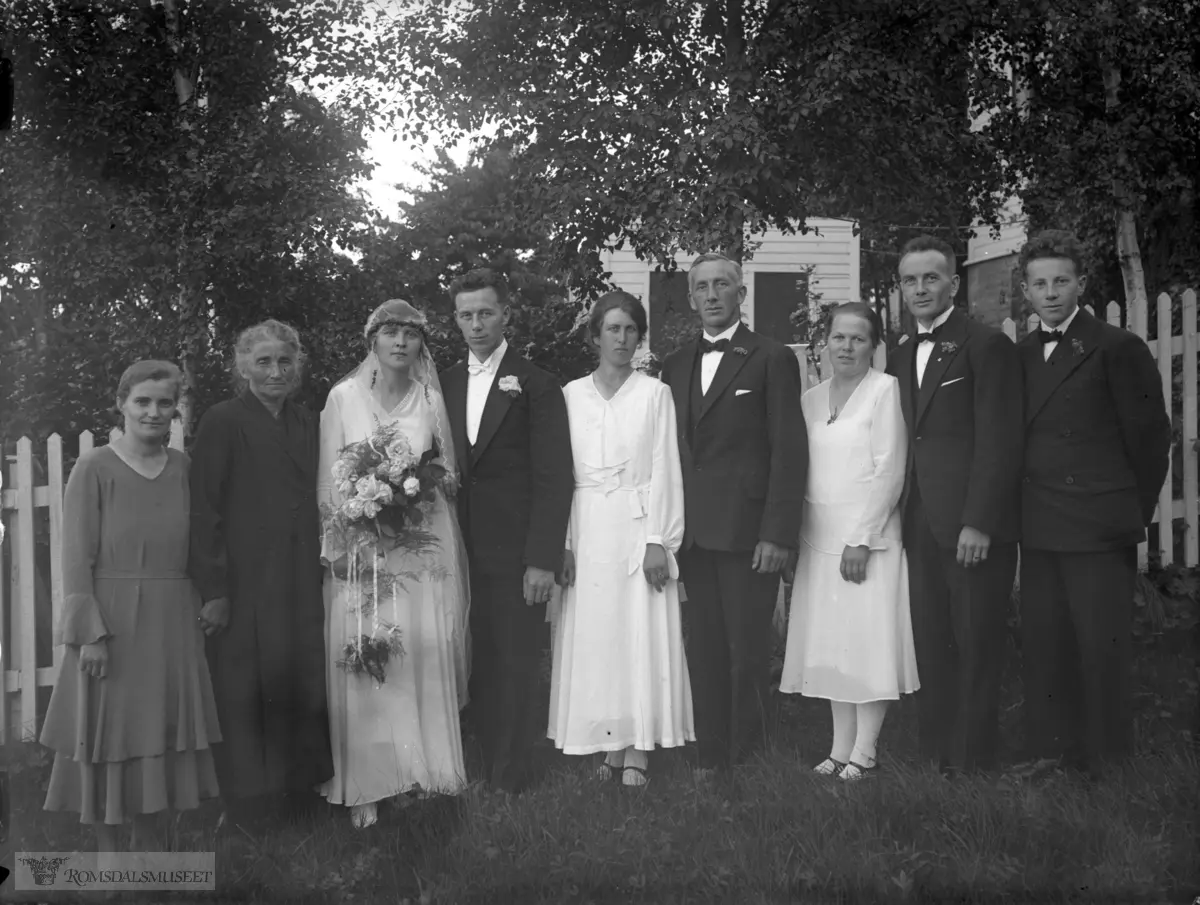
(256, 561)
(132, 719)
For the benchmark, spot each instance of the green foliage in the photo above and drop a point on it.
(146, 220)
(1073, 161)
(666, 125)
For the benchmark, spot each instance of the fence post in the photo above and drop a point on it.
(54, 481)
(26, 602)
(1191, 484)
(1166, 497)
(6, 607)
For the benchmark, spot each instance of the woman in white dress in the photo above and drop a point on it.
(402, 735)
(619, 681)
(850, 633)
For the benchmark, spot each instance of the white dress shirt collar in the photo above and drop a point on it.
(1061, 328)
(493, 361)
(724, 334)
(937, 321)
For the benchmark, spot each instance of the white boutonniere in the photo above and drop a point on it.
(741, 350)
(1077, 346)
(511, 385)
(949, 347)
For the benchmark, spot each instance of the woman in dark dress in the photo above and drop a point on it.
(132, 715)
(256, 561)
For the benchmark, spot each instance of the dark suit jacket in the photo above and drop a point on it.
(964, 430)
(744, 469)
(254, 508)
(518, 480)
(1097, 439)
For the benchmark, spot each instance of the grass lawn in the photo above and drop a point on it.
(776, 834)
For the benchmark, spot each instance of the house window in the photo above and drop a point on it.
(777, 296)
(672, 320)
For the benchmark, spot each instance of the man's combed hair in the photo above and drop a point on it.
(918, 244)
(1052, 243)
(713, 256)
(481, 278)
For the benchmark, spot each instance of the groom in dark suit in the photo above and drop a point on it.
(1096, 448)
(744, 451)
(960, 388)
(509, 423)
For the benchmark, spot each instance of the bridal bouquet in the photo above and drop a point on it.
(387, 493)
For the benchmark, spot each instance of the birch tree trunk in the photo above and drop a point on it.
(187, 302)
(1128, 250)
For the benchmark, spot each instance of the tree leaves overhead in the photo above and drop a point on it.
(1066, 153)
(686, 125)
(120, 201)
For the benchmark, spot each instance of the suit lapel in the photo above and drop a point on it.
(904, 375)
(732, 361)
(950, 341)
(276, 428)
(681, 387)
(496, 406)
(454, 385)
(1076, 347)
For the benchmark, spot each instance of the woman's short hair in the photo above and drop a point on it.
(148, 369)
(858, 309)
(622, 300)
(267, 331)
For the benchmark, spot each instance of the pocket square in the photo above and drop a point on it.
(955, 380)
(742, 392)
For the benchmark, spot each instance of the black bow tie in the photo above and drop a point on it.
(719, 346)
(930, 337)
(1051, 336)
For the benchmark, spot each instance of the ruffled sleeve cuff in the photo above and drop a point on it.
(82, 622)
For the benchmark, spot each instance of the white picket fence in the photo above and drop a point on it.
(1164, 346)
(22, 499)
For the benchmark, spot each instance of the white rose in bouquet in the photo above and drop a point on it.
(341, 471)
(412, 486)
(354, 508)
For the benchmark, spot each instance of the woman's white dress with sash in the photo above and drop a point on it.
(620, 677)
(403, 734)
(852, 642)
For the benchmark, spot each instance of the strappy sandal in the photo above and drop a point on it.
(606, 772)
(854, 772)
(641, 777)
(829, 767)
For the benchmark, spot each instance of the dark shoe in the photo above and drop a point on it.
(829, 767)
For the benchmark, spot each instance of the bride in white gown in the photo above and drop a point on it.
(402, 735)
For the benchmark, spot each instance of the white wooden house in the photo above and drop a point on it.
(776, 271)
